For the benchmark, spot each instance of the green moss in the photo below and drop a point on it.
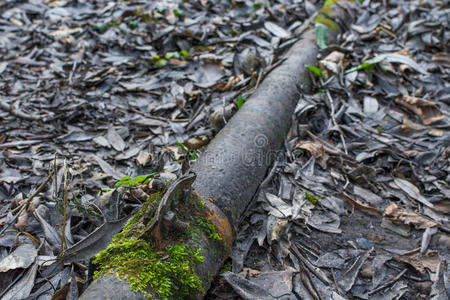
(167, 272)
(209, 229)
(327, 9)
(227, 266)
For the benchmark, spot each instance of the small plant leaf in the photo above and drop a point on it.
(182, 146)
(315, 70)
(239, 102)
(178, 12)
(185, 53)
(367, 63)
(311, 198)
(160, 62)
(321, 35)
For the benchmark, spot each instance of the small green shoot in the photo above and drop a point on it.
(191, 153)
(257, 5)
(239, 102)
(367, 63)
(102, 28)
(132, 182)
(321, 35)
(315, 70)
(178, 12)
(184, 53)
(133, 24)
(379, 129)
(311, 198)
(158, 61)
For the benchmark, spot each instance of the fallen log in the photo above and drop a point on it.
(228, 174)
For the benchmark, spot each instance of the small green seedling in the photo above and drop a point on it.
(191, 153)
(133, 24)
(312, 198)
(239, 102)
(178, 12)
(367, 63)
(102, 28)
(132, 182)
(315, 70)
(257, 5)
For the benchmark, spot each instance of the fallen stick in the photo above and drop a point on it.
(237, 159)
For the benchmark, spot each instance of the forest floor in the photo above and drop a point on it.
(357, 205)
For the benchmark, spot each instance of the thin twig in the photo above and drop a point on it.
(20, 114)
(333, 118)
(388, 284)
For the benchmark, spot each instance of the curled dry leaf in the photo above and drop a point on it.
(316, 149)
(408, 217)
(331, 64)
(421, 262)
(427, 111)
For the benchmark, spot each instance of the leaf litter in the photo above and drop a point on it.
(114, 86)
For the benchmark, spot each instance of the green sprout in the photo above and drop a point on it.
(191, 153)
(315, 70)
(239, 102)
(132, 182)
(312, 198)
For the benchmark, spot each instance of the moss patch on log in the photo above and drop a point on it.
(161, 266)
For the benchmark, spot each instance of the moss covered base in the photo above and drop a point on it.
(163, 265)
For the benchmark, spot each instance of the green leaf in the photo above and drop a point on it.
(182, 146)
(185, 53)
(367, 63)
(160, 62)
(257, 5)
(133, 24)
(321, 35)
(144, 178)
(101, 28)
(192, 155)
(178, 12)
(315, 70)
(126, 180)
(311, 198)
(239, 102)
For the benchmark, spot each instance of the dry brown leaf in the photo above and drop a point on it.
(143, 158)
(63, 292)
(196, 142)
(316, 149)
(22, 222)
(247, 272)
(427, 111)
(359, 205)
(421, 262)
(408, 217)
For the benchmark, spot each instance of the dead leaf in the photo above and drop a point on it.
(359, 205)
(316, 149)
(412, 191)
(421, 262)
(427, 111)
(143, 158)
(22, 257)
(408, 217)
(115, 140)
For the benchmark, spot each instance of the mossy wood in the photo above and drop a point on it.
(228, 174)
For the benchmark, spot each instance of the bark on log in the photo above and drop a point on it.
(237, 159)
